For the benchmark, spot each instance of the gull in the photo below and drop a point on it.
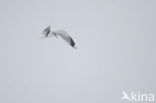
(65, 36)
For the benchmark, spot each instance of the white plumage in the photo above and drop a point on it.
(65, 36)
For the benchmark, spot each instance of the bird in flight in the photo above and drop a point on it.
(65, 36)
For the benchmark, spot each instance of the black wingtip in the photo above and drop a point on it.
(72, 43)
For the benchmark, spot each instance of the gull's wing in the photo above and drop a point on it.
(65, 36)
(46, 31)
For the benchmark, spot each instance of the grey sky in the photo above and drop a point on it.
(116, 50)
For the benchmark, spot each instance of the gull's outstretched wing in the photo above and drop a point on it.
(46, 31)
(65, 36)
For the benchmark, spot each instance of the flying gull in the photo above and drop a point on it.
(65, 36)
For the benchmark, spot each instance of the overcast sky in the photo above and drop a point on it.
(116, 50)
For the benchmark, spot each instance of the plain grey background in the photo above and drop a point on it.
(116, 50)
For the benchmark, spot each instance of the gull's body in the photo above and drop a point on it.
(65, 36)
